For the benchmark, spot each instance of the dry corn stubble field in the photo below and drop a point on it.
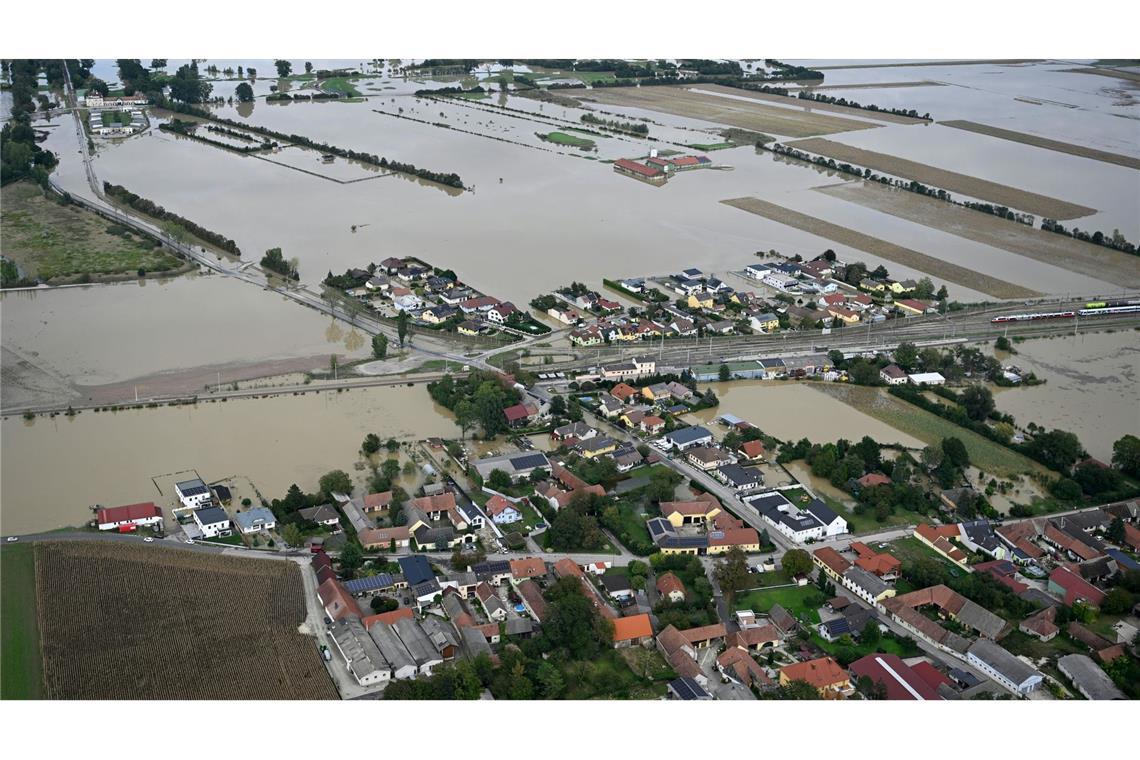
(1067, 253)
(125, 621)
(745, 114)
(809, 105)
(938, 268)
(963, 184)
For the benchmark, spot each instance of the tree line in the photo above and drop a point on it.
(450, 179)
(20, 155)
(1116, 241)
(152, 209)
(636, 128)
(189, 129)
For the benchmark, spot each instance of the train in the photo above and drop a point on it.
(1090, 310)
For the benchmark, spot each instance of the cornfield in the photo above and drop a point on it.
(124, 621)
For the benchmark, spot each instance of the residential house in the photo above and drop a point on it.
(708, 458)
(927, 378)
(520, 415)
(501, 510)
(519, 466)
(893, 374)
(884, 565)
(1041, 624)
(337, 601)
(764, 322)
(255, 520)
(617, 585)
(380, 539)
(686, 438)
(695, 512)
(867, 586)
(939, 539)
(213, 522)
(752, 451)
(824, 673)
(635, 630)
(912, 307)
(739, 478)
(652, 424)
(143, 514)
(738, 665)
(325, 514)
(670, 587)
(192, 494)
(687, 689)
(492, 604)
(528, 567)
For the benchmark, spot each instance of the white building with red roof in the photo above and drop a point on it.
(142, 514)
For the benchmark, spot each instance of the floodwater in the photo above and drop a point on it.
(104, 334)
(54, 468)
(791, 411)
(1092, 388)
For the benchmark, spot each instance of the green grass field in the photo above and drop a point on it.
(561, 138)
(110, 118)
(340, 85)
(910, 548)
(50, 241)
(929, 428)
(21, 668)
(712, 146)
(802, 601)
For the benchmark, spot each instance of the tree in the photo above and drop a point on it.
(1116, 601)
(1066, 489)
(795, 690)
(1115, 532)
(870, 635)
(1056, 449)
(725, 373)
(402, 326)
(732, 573)
(955, 452)
(906, 355)
(308, 67)
(557, 405)
(465, 417)
(351, 557)
(978, 402)
(390, 469)
(371, 444)
(244, 92)
(924, 289)
(158, 63)
(291, 534)
(796, 562)
(1126, 455)
(381, 604)
(931, 457)
(380, 346)
(550, 680)
(187, 87)
(499, 480)
(572, 624)
(284, 68)
(335, 481)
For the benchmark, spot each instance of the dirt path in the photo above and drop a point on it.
(746, 114)
(1044, 142)
(964, 184)
(936, 267)
(1067, 253)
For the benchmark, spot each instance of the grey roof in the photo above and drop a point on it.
(519, 626)
(440, 632)
(964, 677)
(474, 642)
(982, 620)
(616, 582)
(688, 435)
(318, 514)
(1002, 661)
(416, 569)
(192, 487)
(391, 647)
(251, 517)
(740, 476)
(770, 499)
(687, 689)
(1089, 679)
(1095, 518)
(364, 657)
(369, 583)
(665, 536)
(428, 536)
(980, 532)
(418, 644)
(782, 619)
(821, 512)
(869, 582)
(454, 606)
(211, 515)
(857, 617)
(356, 515)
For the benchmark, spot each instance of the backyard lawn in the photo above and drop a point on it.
(802, 601)
(21, 668)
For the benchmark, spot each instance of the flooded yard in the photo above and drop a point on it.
(53, 468)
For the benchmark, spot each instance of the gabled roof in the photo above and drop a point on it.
(141, 511)
(899, 680)
(832, 559)
(820, 673)
(632, 628)
(668, 583)
(528, 567)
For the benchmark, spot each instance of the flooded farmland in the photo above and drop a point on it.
(791, 411)
(53, 468)
(1092, 388)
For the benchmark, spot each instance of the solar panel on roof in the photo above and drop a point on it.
(528, 461)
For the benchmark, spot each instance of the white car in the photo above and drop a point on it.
(188, 541)
(10, 539)
(149, 539)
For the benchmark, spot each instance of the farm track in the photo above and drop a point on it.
(1068, 253)
(963, 184)
(936, 267)
(130, 621)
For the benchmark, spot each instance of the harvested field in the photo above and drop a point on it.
(127, 621)
(935, 267)
(985, 454)
(1044, 142)
(746, 114)
(928, 63)
(1004, 195)
(874, 85)
(809, 106)
(1065, 252)
(1130, 76)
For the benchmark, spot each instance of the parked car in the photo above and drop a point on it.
(10, 539)
(149, 539)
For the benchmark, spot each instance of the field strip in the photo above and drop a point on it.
(872, 85)
(746, 114)
(954, 182)
(1044, 142)
(1060, 251)
(985, 454)
(927, 63)
(943, 270)
(806, 105)
(1130, 76)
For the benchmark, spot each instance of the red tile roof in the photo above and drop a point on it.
(820, 673)
(632, 628)
(567, 566)
(516, 413)
(873, 479)
(498, 504)
(336, 600)
(388, 617)
(667, 583)
(636, 168)
(377, 501)
(930, 674)
(1076, 587)
(832, 560)
(139, 511)
(528, 567)
(899, 680)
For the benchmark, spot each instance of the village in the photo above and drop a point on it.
(697, 547)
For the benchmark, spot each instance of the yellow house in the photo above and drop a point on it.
(431, 316)
(595, 447)
(770, 323)
(897, 288)
(872, 285)
(468, 328)
(721, 541)
(656, 392)
(701, 300)
(680, 513)
(847, 316)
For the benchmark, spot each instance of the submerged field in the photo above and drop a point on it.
(808, 105)
(1042, 142)
(1049, 248)
(125, 621)
(939, 268)
(954, 182)
(50, 241)
(741, 112)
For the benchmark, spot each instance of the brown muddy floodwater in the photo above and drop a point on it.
(104, 334)
(1092, 388)
(791, 411)
(53, 468)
